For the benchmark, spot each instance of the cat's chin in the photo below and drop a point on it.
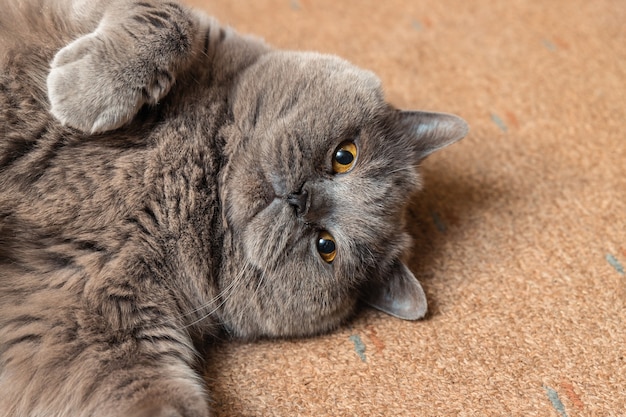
(296, 330)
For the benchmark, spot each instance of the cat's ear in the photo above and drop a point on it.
(399, 294)
(431, 131)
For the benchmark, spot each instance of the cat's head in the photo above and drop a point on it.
(320, 171)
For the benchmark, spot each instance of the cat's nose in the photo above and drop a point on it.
(300, 201)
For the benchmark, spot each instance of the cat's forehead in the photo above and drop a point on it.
(319, 72)
(312, 90)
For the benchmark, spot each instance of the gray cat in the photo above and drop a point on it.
(163, 179)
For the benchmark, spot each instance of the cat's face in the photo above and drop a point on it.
(314, 195)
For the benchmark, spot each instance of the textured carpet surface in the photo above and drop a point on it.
(520, 233)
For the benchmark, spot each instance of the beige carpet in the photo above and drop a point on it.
(520, 232)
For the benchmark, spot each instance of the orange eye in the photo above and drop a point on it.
(326, 247)
(344, 157)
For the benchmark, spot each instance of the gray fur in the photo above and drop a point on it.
(147, 156)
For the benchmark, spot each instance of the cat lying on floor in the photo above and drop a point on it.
(162, 179)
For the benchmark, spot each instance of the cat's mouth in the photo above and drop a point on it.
(271, 190)
(264, 196)
(264, 205)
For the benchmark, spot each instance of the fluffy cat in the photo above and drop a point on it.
(162, 179)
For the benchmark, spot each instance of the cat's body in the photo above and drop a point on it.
(162, 178)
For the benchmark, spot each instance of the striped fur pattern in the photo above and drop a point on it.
(146, 153)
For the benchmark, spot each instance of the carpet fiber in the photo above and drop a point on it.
(520, 233)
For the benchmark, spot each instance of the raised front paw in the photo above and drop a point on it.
(99, 81)
(93, 95)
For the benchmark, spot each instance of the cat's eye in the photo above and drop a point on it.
(344, 157)
(326, 247)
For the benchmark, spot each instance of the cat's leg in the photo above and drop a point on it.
(99, 81)
(60, 360)
(99, 344)
(107, 379)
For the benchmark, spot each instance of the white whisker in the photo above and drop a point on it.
(224, 295)
(409, 168)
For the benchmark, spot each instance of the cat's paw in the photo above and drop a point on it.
(155, 411)
(158, 409)
(95, 86)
